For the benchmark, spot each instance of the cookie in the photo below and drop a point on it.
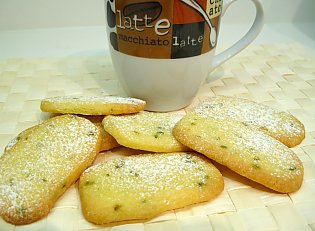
(278, 124)
(147, 131)
(92, 105)
(41, 163)
(108, 141)
(142, 186)
(247, 151)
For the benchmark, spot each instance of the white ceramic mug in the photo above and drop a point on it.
(163, 50)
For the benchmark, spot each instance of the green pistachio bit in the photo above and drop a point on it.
(292, 168)
(223, 146)
(200, 184)
(263, 128)
(136, 132)
(91, 133)
(210, 106)
(158, 134)
(21, 211)
(44, 180)
(117, 207)
(119, 164)
(244, 123)
(203, 181)
(256, 158)
(255, 166)
(134, 173)
(187, 159)
(64, 185)
(193, 123)
(163, 126)
(11, 182)
(88, 183)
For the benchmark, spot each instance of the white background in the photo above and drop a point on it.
(63, 27)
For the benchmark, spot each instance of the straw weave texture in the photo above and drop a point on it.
(279, 75)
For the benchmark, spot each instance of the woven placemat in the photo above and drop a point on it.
(279, 75)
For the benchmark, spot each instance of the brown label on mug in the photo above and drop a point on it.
(164, 29)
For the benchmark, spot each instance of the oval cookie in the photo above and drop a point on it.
(249, 152)
(92, 105)
(278, 124)
(143, 186)
(147, 131)
(41, 163)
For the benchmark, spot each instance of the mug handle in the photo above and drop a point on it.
(245, 40)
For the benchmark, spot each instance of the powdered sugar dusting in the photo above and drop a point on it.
(42, 163)
(247, 151)
(102, 99)
(281, 125)
(92, 105)
(148, 131)
(142, 186)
